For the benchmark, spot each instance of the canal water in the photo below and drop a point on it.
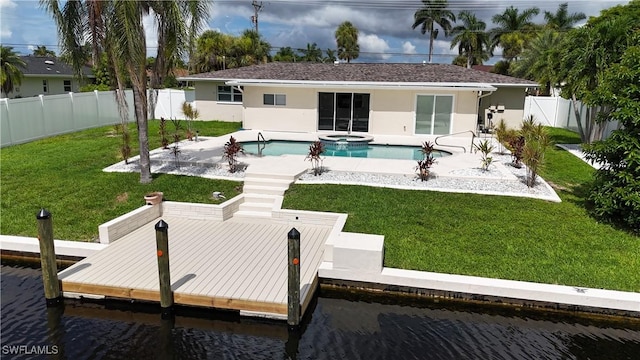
(341, 326)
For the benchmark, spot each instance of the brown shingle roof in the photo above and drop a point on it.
(362, 72)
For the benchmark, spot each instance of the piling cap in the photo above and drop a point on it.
(43, 214)
(294, 234)
(162, 226)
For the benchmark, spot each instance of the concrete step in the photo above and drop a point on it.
(259, 198)
(265, 175)
(251, 214)
(265, 190)
(267, 182)
(260, 207)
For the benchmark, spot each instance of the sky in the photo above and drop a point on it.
(384, 25)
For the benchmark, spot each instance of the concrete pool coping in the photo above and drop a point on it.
(497, 290)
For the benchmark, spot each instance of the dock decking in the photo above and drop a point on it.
(238, 264)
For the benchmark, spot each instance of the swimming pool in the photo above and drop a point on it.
(281, 147)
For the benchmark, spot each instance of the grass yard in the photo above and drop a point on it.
(491, 236)
(64, 174)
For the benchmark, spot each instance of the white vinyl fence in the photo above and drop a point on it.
(28, 119)
(556, 111)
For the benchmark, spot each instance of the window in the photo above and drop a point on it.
(343, 111)
(433, 114)
(230, 94)
(45, 86)
(67, 85)
(274, 99)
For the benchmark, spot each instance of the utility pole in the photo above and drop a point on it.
(257, 7)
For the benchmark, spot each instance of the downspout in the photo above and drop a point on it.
(243, 108)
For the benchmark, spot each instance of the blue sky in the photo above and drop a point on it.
(385, 25)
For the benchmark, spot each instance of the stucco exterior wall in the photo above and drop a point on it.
(299, 114)
(206, 101)
(32, 86)
(512, 98)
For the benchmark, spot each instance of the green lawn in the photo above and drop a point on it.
(492, 236)
(64, 174)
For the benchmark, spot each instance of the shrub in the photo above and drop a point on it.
(316, 149)
(425, 164)
(516, 146)
(502, 134)
(231, 150)
(190, 113)
(163, 133)
(536, 141)
(485, 148)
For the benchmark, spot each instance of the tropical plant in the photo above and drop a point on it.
(316, 149)
(515, 143)
(501, 133)
(42, 51)
(561, 19)
(471, 38)
(230, 153)
(434, 12)
(10, 74)
(347, 40)
(485, 147)
(541, 60)
(312, 53)
(175, 150)
(116, 28)
(587, 53)
(615, 194)
(191, 114)
(125, 147)
(536, 142)
(162, 131)
(424, 165)
(330, 56)
(514, 31)
(286, 54)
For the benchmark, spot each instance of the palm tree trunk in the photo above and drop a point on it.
(430, 43)
(143, 135)
(576, 112)
(469, 60)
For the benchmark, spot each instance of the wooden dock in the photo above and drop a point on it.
(238, 264)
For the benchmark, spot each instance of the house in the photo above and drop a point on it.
(47, 75)
(393, 99)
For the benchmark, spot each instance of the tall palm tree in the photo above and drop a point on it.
(541, 60)
(42, 51)
(433, 13)
(514, 30)
(330, 56)
(115, 27)
(471, 38)
(10, 74)
(347, 41)
(562, 20)
(312, 53)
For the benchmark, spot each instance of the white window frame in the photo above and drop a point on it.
(415, 112)
(45, 86)
(283, 97)
(233, 92)
(65, 86)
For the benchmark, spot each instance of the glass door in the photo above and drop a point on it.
(325, 111)
(360, 113)
(433, 114)
(343, 111)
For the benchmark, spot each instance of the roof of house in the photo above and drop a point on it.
(486, 68)
(49, 66)
(363, 73)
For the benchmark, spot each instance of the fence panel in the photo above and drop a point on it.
(58, 114)
(27, 119)
(85, 110)
(5, 125)
(169, 103)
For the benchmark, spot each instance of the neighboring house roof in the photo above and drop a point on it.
(486, 68)
(50, 66)
(374, 74)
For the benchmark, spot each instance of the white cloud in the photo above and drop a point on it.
(374, 45)
(408, 48)
(7, 4)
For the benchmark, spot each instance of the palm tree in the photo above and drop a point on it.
(561, 20)
(286, 54)
(115, 28)
(471, 38)
(347, 41)
(42, 51)
(11, 75)
(514, 30)
(330, 56)
(541, 60)
(434, 12)
(212, 50)
(312, 53)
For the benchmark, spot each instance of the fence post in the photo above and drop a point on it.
(293, 297)
(162, 243)
(48, 258)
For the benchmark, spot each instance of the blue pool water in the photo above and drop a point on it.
(280, 147)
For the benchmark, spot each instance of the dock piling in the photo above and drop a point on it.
(48, 258)
(293, 297)
(162, 244)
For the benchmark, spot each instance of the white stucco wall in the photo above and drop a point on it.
(512, 98)
(391, 112)
(206, 101)
(32, 86)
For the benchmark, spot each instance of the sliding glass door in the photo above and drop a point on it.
(343, 111)
(433, 114)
